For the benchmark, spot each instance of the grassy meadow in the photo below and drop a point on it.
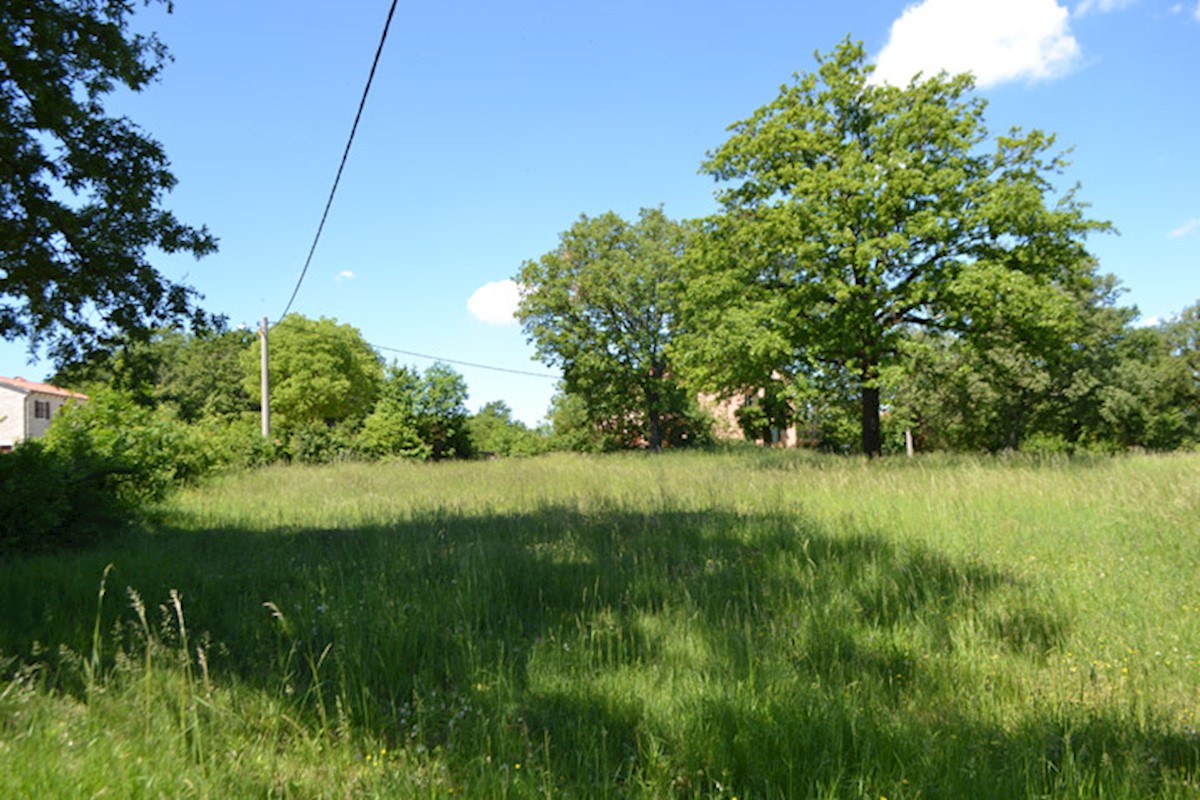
(751, 624)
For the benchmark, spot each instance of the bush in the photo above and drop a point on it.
(1046, 444)
(99, 464)
(54, 499)
(493, 432)
(143, 453)
(391, 432)
(237, 442)
(319, 443)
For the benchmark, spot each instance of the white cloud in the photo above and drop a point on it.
(1103, 6)
(997, 40)
(345, 275)
(495, 302)
(1185, 228)
(1180, 8)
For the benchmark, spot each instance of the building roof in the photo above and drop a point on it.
(27, 387)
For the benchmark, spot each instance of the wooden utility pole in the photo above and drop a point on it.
(266, 383)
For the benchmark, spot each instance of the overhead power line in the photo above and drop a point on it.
(467, 363)
(443, 359)
(345, 154)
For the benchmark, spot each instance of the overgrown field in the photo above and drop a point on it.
(753, 625)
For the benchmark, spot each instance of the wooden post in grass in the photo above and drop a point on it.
(266, 384)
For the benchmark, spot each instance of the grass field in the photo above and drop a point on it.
(757, 624)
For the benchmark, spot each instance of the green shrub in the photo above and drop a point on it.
(237, 442)
(31, 496)
(494, 432)
(1046, 444)
(319, 443)
(54, 499)
(391, 432)
(141, 452)
(98, 465)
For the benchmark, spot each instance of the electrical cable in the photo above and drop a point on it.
(459, 362)
(467, 363)
(345, 154)
(329, 204)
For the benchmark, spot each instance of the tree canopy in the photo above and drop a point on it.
(603, 307)
(80, 191)
(320, 371)
(419, 416)
(198, 374)
(855, 212)
(441, 412)
(494, 432)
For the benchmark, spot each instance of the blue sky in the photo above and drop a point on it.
(491, 127)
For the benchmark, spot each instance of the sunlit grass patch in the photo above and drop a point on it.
(756, 624)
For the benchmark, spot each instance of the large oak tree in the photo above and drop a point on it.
(80, 190)
(855, 211)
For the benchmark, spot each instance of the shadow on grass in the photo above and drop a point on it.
(675, 653)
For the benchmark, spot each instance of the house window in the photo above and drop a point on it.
(41, 409)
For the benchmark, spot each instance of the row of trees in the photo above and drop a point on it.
(879, 261)
(175, 407)
(332, 395)
(81, 207)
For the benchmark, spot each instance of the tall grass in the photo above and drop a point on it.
(754, 624)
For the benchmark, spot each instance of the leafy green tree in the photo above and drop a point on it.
(765, 412)
(320, 371)
(1034, 365)
(130, 366)
(1182, 336)
(418, 416)
(1145, 401)
(441, 412)
(391, 429)
(1094, 381)
(966, 395)
(493, 431)
(574, 425)
(139, 454)
(198, 374)
(855, 212)
(573, 428)
(202, 374)
(603, 307)
(80, 191)
(1175, 420)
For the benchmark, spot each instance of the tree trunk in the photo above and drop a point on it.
(654, 409)
(655, 430)
(872, 434)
